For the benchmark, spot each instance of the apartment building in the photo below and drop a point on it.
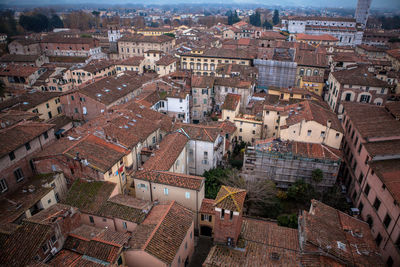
(20, 77)
(24, 60)
(206, 62)
(19, 141)
(316, 40)
(96, 98)
(202, 91)
(71, 47)
(91, 71)
(310, 64)
(166, 65)
(45, 104)
(55, 79)
(371, 149)
(24, 47)
(393, 56)
(130, 64)
(233, 85)
(138, 45)
(355, 85)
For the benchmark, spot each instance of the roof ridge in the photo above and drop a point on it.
(230, 193)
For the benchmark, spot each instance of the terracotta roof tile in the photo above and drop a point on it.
(231, 102)
(139, 38)
(132, 61)
(202, 132)
(166, 60)
(18, 70)
(169, 150)
(170, 178)
(322, 37)
(358, 76)
(207, 206)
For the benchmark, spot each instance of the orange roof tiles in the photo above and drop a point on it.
(18, 70)
(169, 178)
(322, 37)
(170, 149)
(207, 206)
(231, 102)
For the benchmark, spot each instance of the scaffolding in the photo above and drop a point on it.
(275, 160)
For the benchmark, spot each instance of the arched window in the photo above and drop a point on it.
(308, 73)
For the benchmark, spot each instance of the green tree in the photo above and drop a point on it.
(267, 25)
(316, 176)
(8, 25)
(170, 34)
(213, 181)
(275, 18)
(232, 17)
(35, 22)
(56, 22)
(255, 19)
(288, 220)
(301, 192)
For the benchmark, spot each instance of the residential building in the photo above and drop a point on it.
(393, 56)
(267, 244)
(18, 143)
(130, 64)
(138, 45)
(202, 91)
(316, 40)
(314, 84)
(96, 98)
(355, 85)
(170, 155)
(372, 153)
(310, 64)
(310, 122)
(91, 71)
(187, 190)
(20, 77)
(155, 31)
(206, 62)
(284, 162)
(24, 47)
(24, 60)
(45, 105)
(235, 85)
(71, 47)
(55, 79)
(206, 146)
(166, 65)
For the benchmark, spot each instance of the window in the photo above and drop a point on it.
(50, 116)
(45, 135)
(3, 185)
(378, 239)
(11, 155)
(91, 219)
(322, 133)
(337, 135)
(47, 105)
(231, 215)
(377, 203)
(222, 214)
(166, 191)
(348, 97)
(76, 110)
(19, 175)
(365, 99)
(187, 195)
(124, 225)
(240, 130)
(191, 235)
(72, 97)
(309, 132)
(360, 207)
(59, 110)
(361, 178)
(45, 248)
(389, 262)
(205, 100)
(205, 154)
(154, 139)
(387, 220)
(53, 239)
(367, 188)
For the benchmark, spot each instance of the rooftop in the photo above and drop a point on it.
(231, 102)
(139, 38)
(358, 76)
(169, 150)
(18, 70)
(28, 100)
(310, 37)
(201, 132)
(170, 178)
(230, 198)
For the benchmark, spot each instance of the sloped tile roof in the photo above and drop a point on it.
(230, 198)
(231, 102)
(200, 132)
(170, 148)
(166, 239)
(207, 206)
(169, 178)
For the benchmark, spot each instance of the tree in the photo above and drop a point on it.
(255, 19)
(154, 24)
(275, 18)
(301, 192)
(170, 34)
(232, 17)
(213, 182)
(317, 175)
(35, 22)
(96, 15)
(261, 194)
(288, 220)
(267, 25)
(56, 22)
(8, 25)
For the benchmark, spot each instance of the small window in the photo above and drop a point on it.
(91, 219)
(124, 225)
(387, 220)
(47, 105)
(11, 155)
(377, 203)
(166, 191)
(187, 195)
(72, 97)
(3, 185)
(45, 248)
(45, 135)
(231, 215)
(378, 239)
(222, 214)
(309, 132)
(19, 175)
(367, 189)
(191, 235)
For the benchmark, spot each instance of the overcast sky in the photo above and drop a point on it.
(315, 3)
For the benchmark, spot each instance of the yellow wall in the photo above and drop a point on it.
(43, 110)
(314, 87)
